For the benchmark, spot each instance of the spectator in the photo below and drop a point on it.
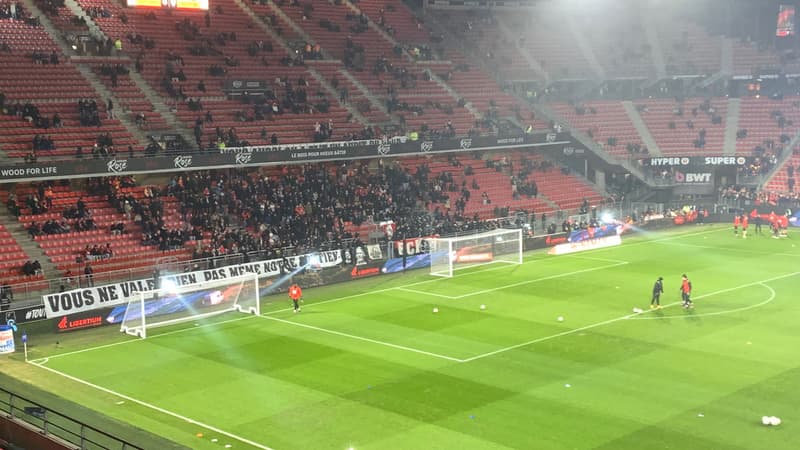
(5, 297)
(88, 274)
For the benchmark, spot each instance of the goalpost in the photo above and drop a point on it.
(455, 253)
(173, 304)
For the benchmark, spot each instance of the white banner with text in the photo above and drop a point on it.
(87, 299)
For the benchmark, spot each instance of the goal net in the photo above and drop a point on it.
(455, 253)
(173, 304)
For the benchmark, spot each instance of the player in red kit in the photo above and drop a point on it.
(736, 225)
(295, 293)
(686, 291)
(744, 226)
(783, 225)
(774, 225)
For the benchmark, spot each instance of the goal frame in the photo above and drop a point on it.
(443, 249)
(139, 301)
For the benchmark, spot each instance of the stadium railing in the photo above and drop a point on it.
(58, 426)
(27, 294)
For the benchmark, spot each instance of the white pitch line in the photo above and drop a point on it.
(394, 288)
(672, 237)
(456, 297)
(609, 321)
(114, 344)
(435, 280)
(716, 313)
(433, 294)
(536, 280)
(155, 408)
(360, 338)
(183, 330)
(590, 258)
(682, 235)
(729, 249)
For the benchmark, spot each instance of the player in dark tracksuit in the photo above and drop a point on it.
(686, 291)
(658, 288)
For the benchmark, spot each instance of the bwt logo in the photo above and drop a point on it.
(681, 177)
(384, 149)
(237, 84)
(182, 162)
(117, 165)
(551, 137)
(426, 146)
(465, 143)
(244, 157)
(569, 151)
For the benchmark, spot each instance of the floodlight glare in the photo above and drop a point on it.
(169, 285)
(313, 260)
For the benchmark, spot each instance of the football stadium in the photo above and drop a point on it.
(399, 224)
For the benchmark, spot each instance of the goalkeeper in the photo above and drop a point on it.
(295, 293)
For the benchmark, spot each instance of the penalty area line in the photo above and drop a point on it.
(617, 319)
(536, 280)
(531, 257)
(433, 294)
(365, 339)
(642, 240)
(397, 288)
(154, 407)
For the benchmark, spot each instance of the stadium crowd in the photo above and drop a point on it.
(753, 196)
(301, 207)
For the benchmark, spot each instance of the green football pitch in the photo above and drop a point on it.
(369, 365)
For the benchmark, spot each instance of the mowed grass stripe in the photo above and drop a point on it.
(629, 379)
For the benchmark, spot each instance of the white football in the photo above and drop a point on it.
(774, 421)
(483, 306)
(436, 310)
(560, 319)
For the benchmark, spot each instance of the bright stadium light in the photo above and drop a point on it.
(313, 260)
(168, 285)
(607, 217)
